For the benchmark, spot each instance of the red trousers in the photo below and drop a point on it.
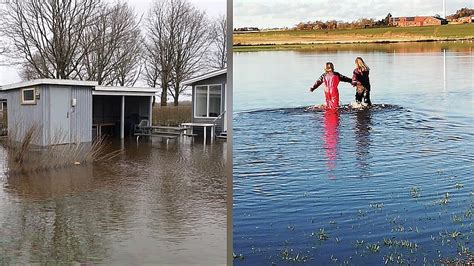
(332, 97)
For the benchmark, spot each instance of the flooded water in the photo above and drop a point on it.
(154, 204)
(392, 184)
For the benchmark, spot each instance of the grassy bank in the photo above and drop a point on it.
(172, 115)
(264, 40)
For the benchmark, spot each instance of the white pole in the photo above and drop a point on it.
(122, 119)
(444, 69)
(150, 114)
(444, 9)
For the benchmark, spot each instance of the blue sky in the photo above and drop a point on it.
(284, 13)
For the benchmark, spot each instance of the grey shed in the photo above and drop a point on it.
(66, 111)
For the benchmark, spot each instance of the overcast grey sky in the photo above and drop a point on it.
(284, 13)
(213, 8)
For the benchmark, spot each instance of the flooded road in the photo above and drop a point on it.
(388, 185)
(151, 205)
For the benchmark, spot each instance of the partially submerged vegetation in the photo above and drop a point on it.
(172, 115)
(24, 157)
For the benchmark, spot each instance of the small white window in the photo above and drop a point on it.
(28, 96)
(207, 100)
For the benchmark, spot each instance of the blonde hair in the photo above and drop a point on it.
(329, 67)
(361, 64)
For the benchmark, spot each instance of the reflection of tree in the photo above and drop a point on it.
(331, 139)
(48, 223)
(79, 214)
(186, 186)
(362, 137)
(390, 47)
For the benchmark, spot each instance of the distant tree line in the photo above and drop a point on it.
(333, 24)
(108, 43)
(463, 12)
(367, 22)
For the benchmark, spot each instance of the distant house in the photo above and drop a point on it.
(418, 21)
(209, 96)
(72, 111)
(247, 29)
(468, 19)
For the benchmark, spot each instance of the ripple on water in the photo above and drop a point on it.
(361, 175)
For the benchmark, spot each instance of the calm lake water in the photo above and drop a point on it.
(391, 184)
(152, 205)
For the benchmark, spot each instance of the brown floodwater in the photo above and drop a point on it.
(153, 204)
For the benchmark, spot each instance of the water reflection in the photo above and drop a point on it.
(363, 125)
(155, 204)
(331, 139)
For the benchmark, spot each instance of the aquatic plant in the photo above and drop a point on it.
(394, 257)
(415, 192)
(359, 243)
(289, 255)
(25, 157)
(235, 256)
(376, 205)
(374, 248)
(322, 235)
(406, 244)
(456, 219)
(468, 213)
(445, 199)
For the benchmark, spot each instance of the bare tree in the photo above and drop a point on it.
(159, 51)
(48, 34)
(191, 44)
(28, 71)
(114, 54)
(218, 57)
(128, 56)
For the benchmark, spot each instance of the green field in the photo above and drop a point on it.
(263, 40)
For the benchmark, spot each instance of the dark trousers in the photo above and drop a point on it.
(363, 93)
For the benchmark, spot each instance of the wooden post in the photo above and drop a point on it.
(122, 119)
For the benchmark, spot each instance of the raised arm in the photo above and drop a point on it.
(317, 83)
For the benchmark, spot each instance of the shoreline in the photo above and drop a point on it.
(302, 45)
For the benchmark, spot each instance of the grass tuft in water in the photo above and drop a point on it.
(415, 192)
(289, 255)
(445, 199)
(321, 235)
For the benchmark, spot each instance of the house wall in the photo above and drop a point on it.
(81, 115)
(22, 117)
(221, 79)
(416, 21)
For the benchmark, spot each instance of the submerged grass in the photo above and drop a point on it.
(25, 157)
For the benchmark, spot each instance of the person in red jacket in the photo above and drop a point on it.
(361, 80)
(331, 80)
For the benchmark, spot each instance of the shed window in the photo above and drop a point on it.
(28, 96)
(207, 101)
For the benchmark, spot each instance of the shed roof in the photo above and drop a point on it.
(205, 76)
(126, 91)
(96, 90)
(36, 82)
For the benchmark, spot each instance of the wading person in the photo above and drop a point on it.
(331, 80)
(360, 79)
